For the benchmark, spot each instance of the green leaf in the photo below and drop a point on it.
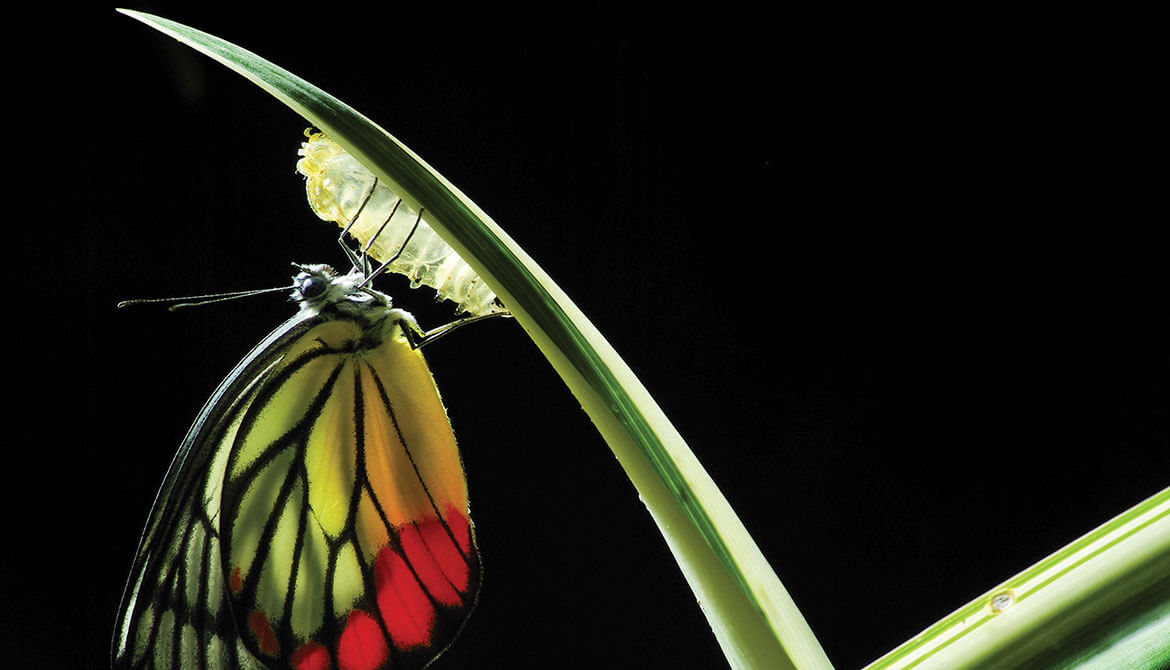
(1102, 601)
(752, 615)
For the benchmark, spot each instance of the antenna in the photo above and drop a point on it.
(198, 300)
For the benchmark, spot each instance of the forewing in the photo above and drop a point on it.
(175, 611)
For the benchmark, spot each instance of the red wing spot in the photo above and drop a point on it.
(235, 582)
(441, 568)
(311, 656)
(263, 632)
(405, 608)
(362, 646)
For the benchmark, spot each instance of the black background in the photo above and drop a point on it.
(898, 276)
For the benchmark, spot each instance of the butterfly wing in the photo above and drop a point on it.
(175, 611)
(316, 516)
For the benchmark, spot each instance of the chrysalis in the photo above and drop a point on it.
(342, 190)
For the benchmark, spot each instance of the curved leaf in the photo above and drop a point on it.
(751, 613)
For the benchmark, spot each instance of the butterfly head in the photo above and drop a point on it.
(317, 286)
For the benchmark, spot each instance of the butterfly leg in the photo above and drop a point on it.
(360, 261)
(382, 268)
(419, 339)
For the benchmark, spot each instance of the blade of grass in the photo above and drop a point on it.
(752, 615)
(1101, 600)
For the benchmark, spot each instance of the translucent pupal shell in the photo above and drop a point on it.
(337, 186)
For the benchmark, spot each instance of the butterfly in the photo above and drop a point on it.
(316, 514)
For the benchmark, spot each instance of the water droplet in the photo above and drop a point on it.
(1002, 601)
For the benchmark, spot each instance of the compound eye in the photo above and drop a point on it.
(313, 287)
